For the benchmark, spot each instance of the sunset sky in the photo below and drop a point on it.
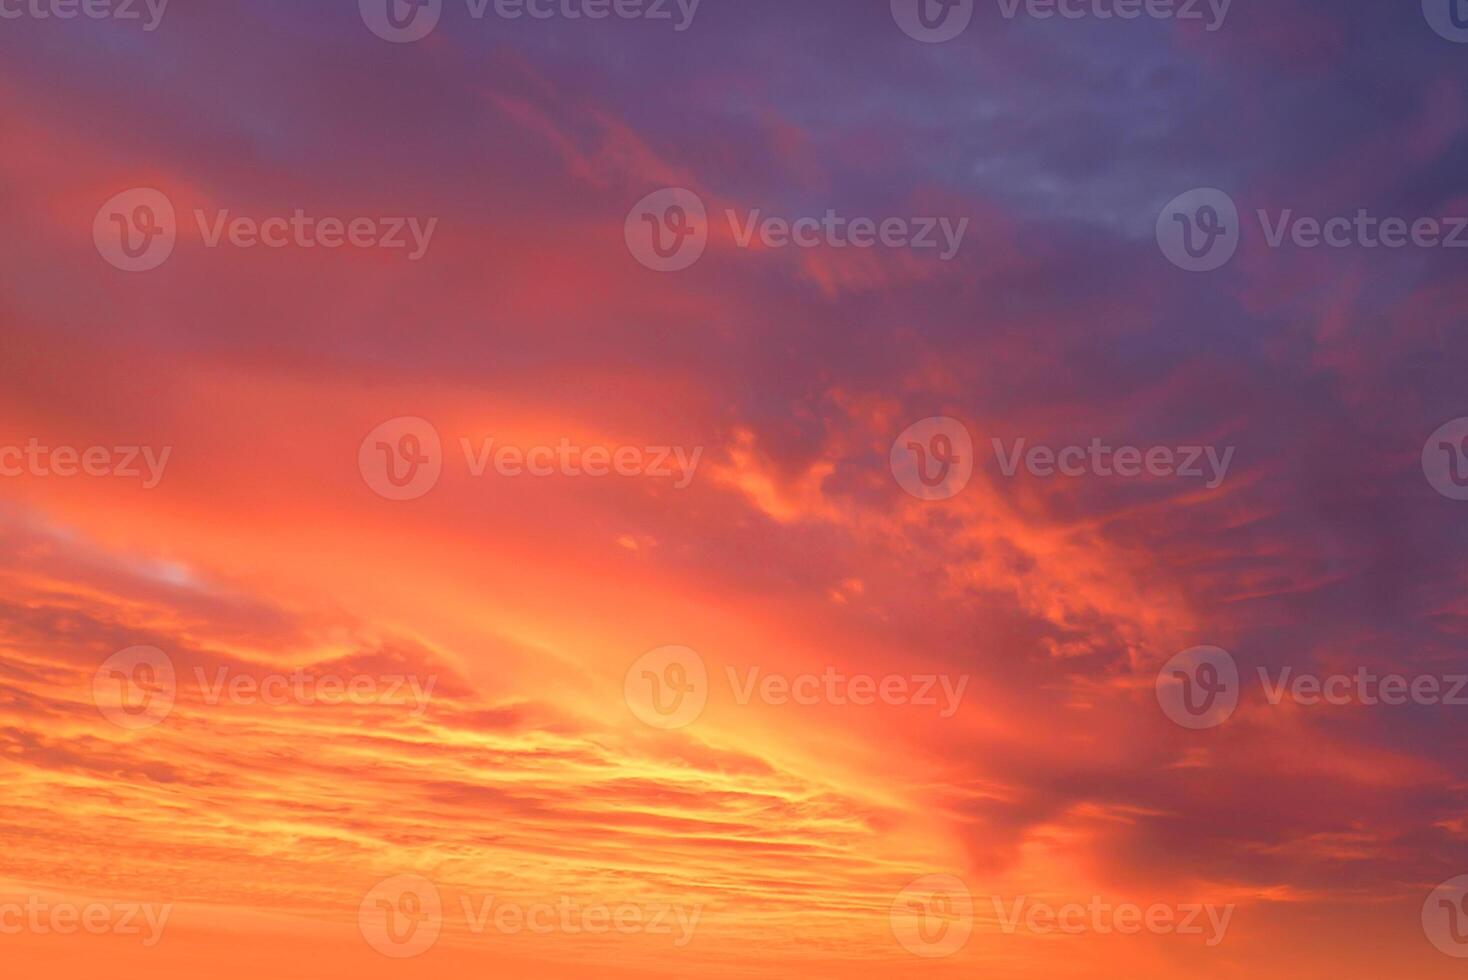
(516, 639)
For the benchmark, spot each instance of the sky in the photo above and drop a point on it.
(736, 490)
